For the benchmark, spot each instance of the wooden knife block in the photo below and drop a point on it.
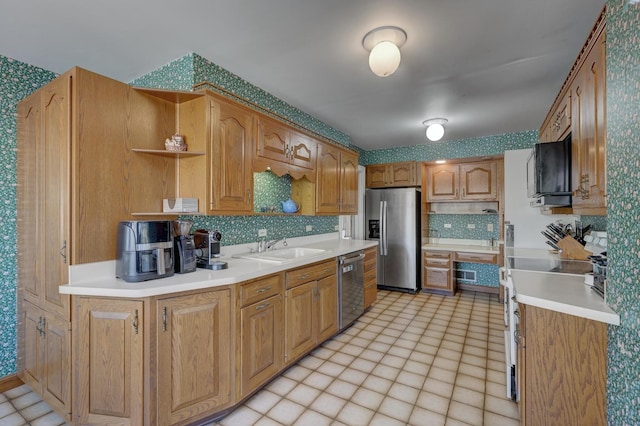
(571, 249)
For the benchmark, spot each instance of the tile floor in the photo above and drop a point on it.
(423, 360)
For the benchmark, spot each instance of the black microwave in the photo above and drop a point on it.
(549, 173)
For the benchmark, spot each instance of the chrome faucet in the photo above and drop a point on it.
(269, 244)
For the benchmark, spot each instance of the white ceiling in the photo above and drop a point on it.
(488, 66)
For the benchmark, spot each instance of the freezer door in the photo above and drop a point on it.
(401, 232)
(373, 205)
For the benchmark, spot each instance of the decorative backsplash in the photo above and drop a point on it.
(17, 80)
(465, 226)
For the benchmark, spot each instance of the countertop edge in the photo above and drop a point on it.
(240, 270)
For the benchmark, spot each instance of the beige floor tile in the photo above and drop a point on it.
(411, 379)
(470, 382)
(434, 402)
(379, 347)
(367, 398)
(377, 384)
(404, 393)
(353, 414)
(318, 380)
(494, 419)
(422, 417)
(311, 362)
(310, 417)
(436, 386)
(393, 361)
(445, 363)
(474, 360)
(6, 408)
(468, 396)
(328, 405)
(14, 419)
(297, 373)
(466, 413)
(242, 416)
(442, 375)
(372, 355)
(332, 369)
(502, 406)
(286, 412)
(352, 350)
(282, 385)
(303, 394)
(263, 401)
(399, 351)
(342, 389)
(473, 370)
(416, 367)
(386, 372)
(396, 409)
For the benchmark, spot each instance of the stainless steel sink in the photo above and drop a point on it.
(281, 255)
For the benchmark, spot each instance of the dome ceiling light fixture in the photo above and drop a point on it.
(435, 128)
(384, 44)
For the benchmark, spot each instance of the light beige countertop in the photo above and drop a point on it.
(98, 279)
(468, 246)
(565, 293)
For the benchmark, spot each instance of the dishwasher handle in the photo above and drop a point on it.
(353, 259)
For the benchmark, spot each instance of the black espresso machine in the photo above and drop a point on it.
(184, 247)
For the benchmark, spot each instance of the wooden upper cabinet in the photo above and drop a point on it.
(337, 181)
(588, 147)
(283, 149)
(194, 356)
(443, 182)
(558, 123)
(232, 136)
(479, 181)
(392, 175)
(463, 182)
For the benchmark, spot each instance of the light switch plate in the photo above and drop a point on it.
(447, 225)
(471, 226)
(336, 228)
(308, 228)
(490, 227)
(262, 232)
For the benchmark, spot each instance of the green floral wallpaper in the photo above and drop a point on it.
(623, 190)
(17, 80)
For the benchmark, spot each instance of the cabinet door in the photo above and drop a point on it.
(442, 183)
(28, 173)
(261, 342)
(588, 142)
(194, 360)
(479, 181)
(31, 346)
(377, 176)
(300, 333)
(326, 315)
(348, 183)
(273, 140)
(402, 174)
(56, 370)
(232, 135)
(438, 278)
(108, 348)
(328, 180)
(55, 192)
(302, 150)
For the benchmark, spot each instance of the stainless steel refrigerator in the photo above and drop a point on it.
(392, 217)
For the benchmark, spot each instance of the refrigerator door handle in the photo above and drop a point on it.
(383, 228)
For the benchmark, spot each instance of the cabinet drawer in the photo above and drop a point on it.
(476, 257)
(437, 262)
(311, 273)
(437, 254)
(260, 289)
(438, 277)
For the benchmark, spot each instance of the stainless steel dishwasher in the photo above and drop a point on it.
(351, 287)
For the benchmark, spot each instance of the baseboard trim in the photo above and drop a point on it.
(479, 288)
(10, 382)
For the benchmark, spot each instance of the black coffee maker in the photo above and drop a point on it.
(184, 247)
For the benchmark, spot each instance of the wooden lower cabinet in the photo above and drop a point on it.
(47, 351)
(562, 363)
(370, 276)
(438, 272)
(261, 332)
(108, 362)
(194, 356)
(311, 309)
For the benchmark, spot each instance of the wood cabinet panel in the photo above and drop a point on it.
(232, 136)
(108, 349)
(194, 362)
(260, 289)
(370, 276)
(565, 362)
(392, 175)
(476, 257)
(284, 149)
(463, 182)
(442, 182)
(300, 334)
(314, 272)
(261, 342)
(337, 181)
(438, 272)
(326, 307)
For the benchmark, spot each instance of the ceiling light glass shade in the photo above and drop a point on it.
(435, 132)
(384, 59)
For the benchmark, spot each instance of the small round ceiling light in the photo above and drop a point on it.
(435, 128)
(384, 44)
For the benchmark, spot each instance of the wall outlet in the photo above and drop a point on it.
(336, 228)
(490, 227)
(471, 226)
(308, 228)
(447, 225)
(262, 232)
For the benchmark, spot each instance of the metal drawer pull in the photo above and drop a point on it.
(135, 322)
(264, 305)
(303, 277)
(263, 289)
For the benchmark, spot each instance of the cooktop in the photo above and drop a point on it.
(562, 266)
